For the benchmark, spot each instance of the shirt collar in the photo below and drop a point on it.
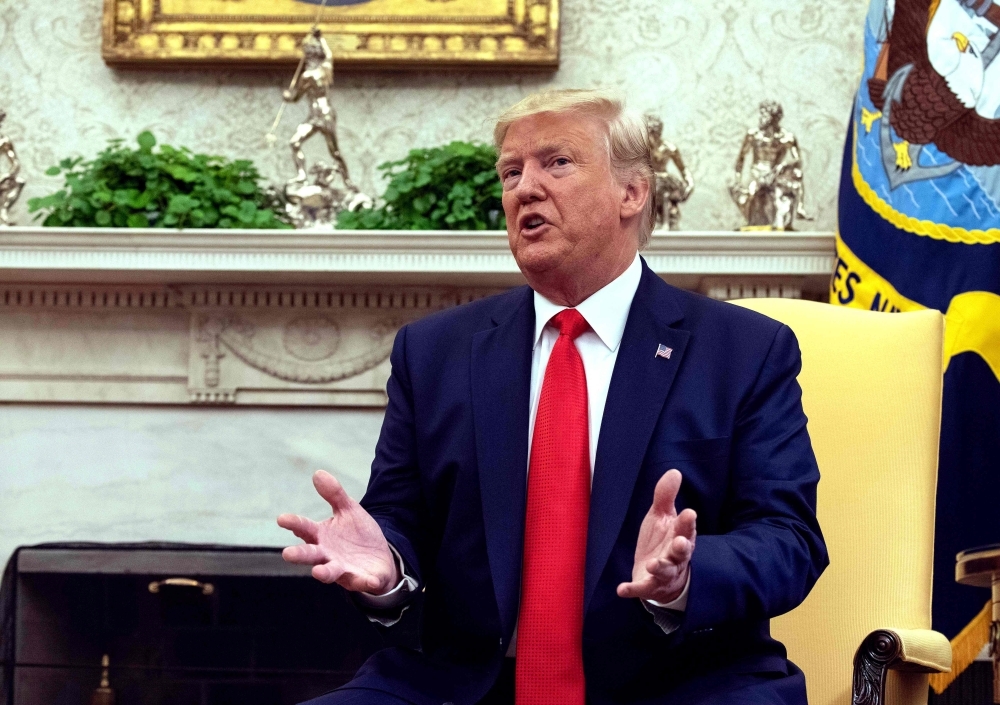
(606, 310)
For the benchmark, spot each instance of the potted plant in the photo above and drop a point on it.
(453, 187)
(168, 187)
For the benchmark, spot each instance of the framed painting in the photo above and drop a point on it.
(362, 33)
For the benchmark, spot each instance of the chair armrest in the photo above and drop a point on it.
(920, 650)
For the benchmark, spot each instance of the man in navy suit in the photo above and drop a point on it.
(529, 472)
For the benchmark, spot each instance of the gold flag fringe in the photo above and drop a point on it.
(965, 647)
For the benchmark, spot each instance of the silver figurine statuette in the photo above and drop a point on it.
(315, 203)
(315, 82)
(10, 183)
(671, 189)
(771, 196)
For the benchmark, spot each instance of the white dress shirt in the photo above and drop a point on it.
(606, 312)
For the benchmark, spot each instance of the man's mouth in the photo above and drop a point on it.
(532, 223)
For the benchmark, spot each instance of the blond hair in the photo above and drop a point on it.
(627, 137)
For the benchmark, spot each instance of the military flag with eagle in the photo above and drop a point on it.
(919, 227)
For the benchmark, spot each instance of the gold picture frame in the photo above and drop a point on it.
(361, 33)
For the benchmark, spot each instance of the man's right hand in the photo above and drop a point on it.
(348, 548)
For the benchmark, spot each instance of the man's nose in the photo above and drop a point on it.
(529, 186)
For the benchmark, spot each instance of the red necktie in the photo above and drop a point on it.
(550, 624)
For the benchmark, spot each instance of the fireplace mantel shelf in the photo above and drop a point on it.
(289, 317)
(99, 255)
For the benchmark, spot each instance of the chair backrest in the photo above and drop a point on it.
(871, 388)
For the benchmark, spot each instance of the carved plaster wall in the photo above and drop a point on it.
(271, 345)
(703, 66)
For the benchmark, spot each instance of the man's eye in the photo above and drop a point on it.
(511, 172)
(560, 161)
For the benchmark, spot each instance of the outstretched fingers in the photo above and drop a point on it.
(327, 572)
(677, 555)
(333, 572)
(305, 529)
(665, 493)
(680, 550)
(305, 554)
(331, 490)
(639, 588)
(361, 583)
(685, 524)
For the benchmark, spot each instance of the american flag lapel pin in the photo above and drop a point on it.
(663, 351)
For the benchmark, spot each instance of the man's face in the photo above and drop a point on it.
(767, 118)
(563, 205)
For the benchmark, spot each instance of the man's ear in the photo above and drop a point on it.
(634, 196)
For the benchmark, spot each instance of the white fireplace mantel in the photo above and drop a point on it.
(289, 317)
(104, 255)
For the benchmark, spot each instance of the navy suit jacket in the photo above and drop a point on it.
(448, 488)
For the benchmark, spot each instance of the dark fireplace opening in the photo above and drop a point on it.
(180, 624)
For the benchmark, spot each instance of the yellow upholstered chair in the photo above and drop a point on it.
(871, 387)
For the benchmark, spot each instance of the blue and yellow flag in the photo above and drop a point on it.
(920, 228)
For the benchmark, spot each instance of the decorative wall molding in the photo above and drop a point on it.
(304, 318)
(84, 254)
(206, 344)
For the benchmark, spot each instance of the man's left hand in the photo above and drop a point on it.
(663, 551)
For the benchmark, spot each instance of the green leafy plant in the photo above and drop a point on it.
(454, 187)
(160, 188)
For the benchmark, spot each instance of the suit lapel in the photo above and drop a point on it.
(639, 386)
(501, 377)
